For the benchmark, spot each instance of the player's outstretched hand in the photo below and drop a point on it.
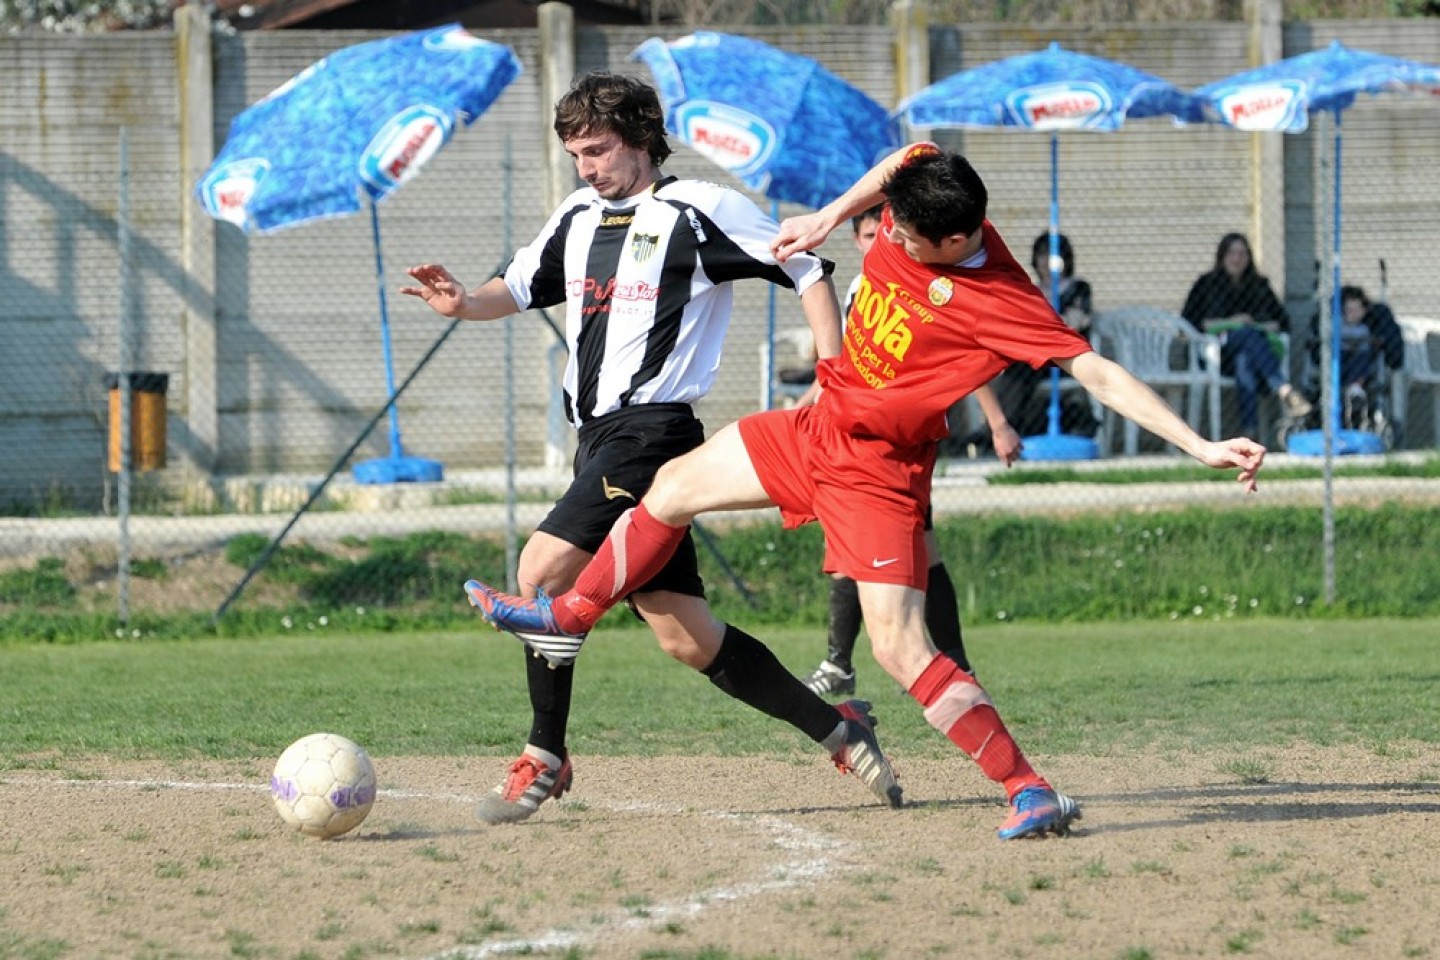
(1007, 443)
(1240, 452)
(438, 288)
(805, 232)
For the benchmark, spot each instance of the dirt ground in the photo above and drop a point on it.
(1303, 852)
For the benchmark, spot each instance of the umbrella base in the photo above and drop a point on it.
(398, 470)
(1058, 446)
(1311, 443)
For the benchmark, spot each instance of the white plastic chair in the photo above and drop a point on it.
(1422, 367)
(1164, 350)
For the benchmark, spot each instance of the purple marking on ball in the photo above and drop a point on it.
(284, 789)
(345, 797)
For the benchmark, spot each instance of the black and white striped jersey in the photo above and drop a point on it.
(646, 287)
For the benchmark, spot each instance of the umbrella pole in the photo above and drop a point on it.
(1332, 420)
(1052, 427)
(395, 448)
(1052, 444)
(768, 394)
(1335, 305)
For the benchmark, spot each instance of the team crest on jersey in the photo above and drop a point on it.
(643, 246)
(941, 290)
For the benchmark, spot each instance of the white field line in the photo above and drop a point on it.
(806, 860)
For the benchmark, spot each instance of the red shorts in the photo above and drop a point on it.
(869, 495)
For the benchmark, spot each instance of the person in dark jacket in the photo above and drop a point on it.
(1024, 392)
(1369, 337)
(1239, 304)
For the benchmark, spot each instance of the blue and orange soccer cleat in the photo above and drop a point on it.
(1036, 811)
(532, 622)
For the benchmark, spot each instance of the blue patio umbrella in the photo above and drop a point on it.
(344, 134)
(780, 122)
(1049, 90)
(1281, 96)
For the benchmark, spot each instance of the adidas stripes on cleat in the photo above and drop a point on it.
(532, 622)
(529, 783)
(861, 754)
(1036, 811)
(829, 680)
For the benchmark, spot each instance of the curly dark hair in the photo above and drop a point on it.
(599, 102)
(937, 195)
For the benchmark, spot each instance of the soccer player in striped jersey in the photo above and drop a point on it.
(643, 264)
(942, 309)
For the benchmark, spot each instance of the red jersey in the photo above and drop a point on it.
(919, 337)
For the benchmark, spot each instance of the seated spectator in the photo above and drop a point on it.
(1370, 340)
(1024, 392)
(1236, 303)
(1074, 295)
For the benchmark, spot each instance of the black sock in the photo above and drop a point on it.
(747, 670)
(549, 702)
(844, 622)
(942, 615)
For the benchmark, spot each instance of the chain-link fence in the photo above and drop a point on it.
(257, 376)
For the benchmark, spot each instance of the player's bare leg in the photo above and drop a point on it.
(716, 476)
(957, 706)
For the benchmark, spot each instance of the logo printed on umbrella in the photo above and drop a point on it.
(402, 146)
(1060, 106)
(737, 140)
(226, 192)
(1265, 106)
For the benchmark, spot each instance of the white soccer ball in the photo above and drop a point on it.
(323, 785)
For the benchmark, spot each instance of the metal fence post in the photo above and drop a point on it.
(122, 237)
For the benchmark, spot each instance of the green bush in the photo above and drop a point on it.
(1190, 563)
(290, 563)
(1197, 563)
(44, 585)
(426, 567)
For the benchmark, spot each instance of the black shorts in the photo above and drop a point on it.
(615, 463)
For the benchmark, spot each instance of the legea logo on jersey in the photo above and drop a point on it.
(737, 140)
(1071, 105)
(1265, 106)
(226, 192)
(403, 145)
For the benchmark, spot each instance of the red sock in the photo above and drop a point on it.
(635, 551)
(960, 708)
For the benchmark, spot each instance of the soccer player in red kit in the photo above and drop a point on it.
(944, 307)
